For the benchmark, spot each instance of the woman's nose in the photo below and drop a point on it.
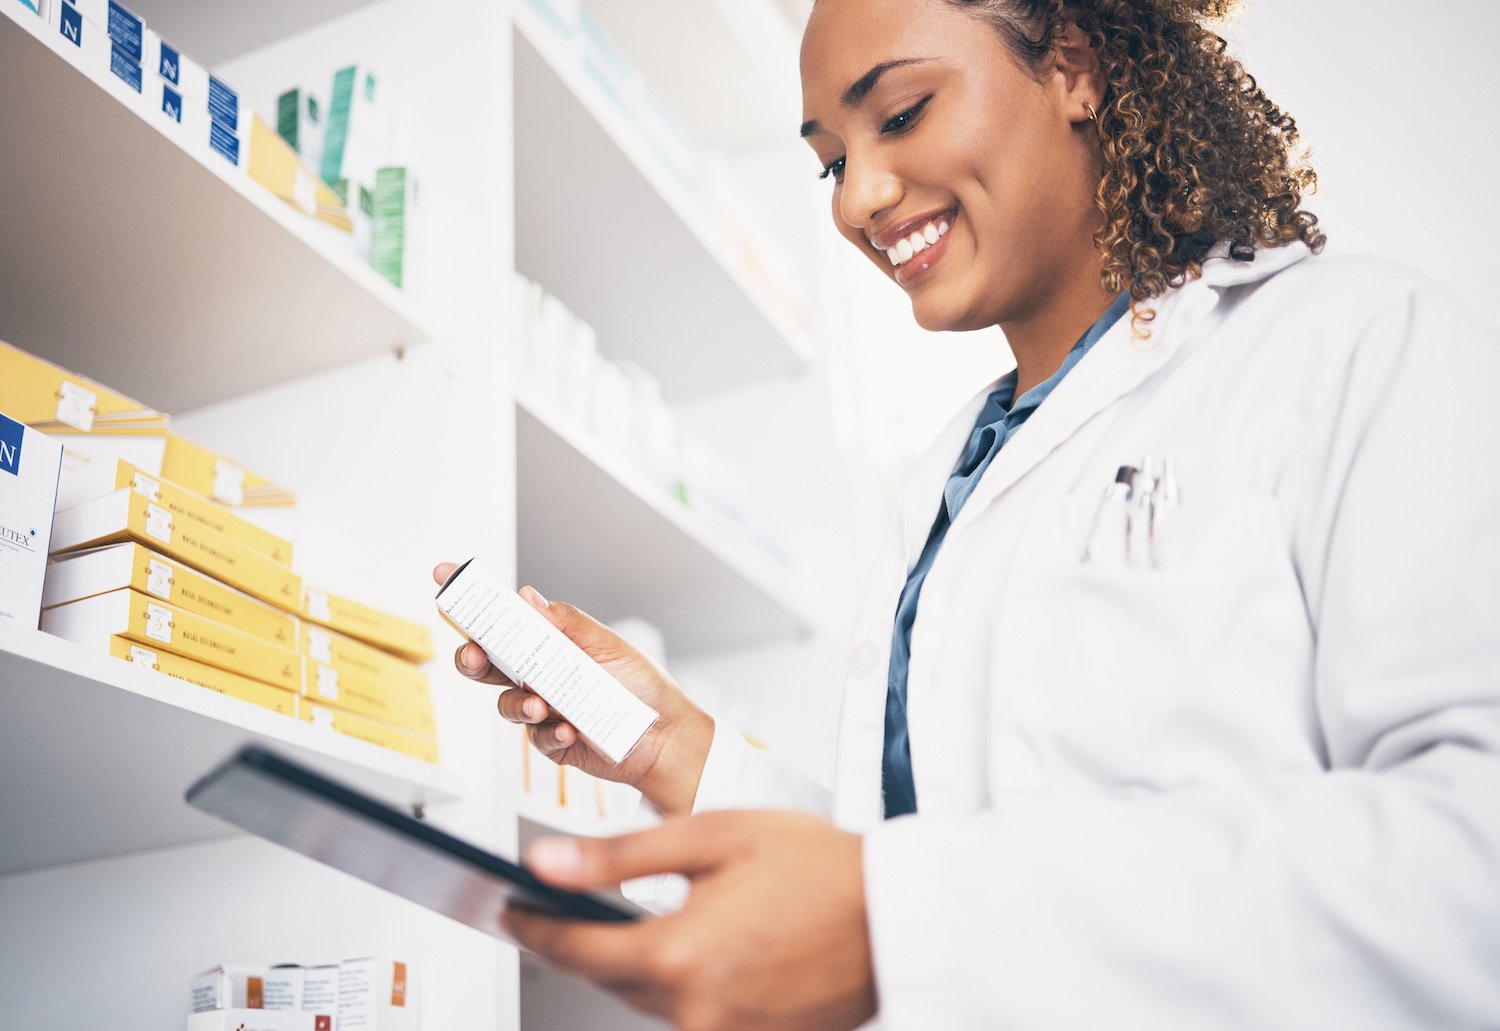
(867, 192)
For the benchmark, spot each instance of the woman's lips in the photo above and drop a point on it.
(919, 264)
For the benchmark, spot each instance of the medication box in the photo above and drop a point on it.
(85, 574)
(101, 478)
(203, 675)
(156, 625)
(127, 515)
(411, 641)
(378, 995)
(531, 651)
(29, 467)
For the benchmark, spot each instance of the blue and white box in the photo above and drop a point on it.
(123, 25)
(30, 464)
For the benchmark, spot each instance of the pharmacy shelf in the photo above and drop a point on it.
(595, 531)
(134, 259)
(95, 754)
(603, 224)
(751, 102)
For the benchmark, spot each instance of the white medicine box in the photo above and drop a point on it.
(29, 466)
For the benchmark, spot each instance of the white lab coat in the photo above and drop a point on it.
(1257, 787)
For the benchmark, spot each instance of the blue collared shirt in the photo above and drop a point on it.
(998, 420)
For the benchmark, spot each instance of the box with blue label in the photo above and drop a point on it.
(126, 28)
(29, 466)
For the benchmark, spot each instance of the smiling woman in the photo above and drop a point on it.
(1149, 708)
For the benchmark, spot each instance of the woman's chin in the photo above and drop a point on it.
(941, 315)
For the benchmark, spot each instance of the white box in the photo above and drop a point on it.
(237, 986)
(258, 1020)
(320, 988)
(529, 650)
(30, 463)
(378, 995)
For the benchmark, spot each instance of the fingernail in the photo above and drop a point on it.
(536, 597)
(555, 855)
(468, 660)
(534, 709)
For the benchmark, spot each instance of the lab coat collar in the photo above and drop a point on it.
(1117, 364)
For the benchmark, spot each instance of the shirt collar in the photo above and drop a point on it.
(999, 404)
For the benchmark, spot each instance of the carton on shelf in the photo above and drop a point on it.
(379, 995)
(403, 637)
(49, 398)
(214, 476)
(404, 708)
(358, 138)
(29, 464)
(299, 121)
(375, 732)
(127, 515)
(106, 477)
(159, 626)
(86, 574)
(276, 166)
(355, 658)
(206, 676)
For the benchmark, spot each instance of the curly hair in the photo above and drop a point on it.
(1194, 152)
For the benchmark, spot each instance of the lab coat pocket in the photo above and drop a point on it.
(1127, 672)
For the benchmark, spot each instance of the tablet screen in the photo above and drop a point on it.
(293, 806)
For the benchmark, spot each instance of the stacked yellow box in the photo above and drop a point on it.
(149, 569)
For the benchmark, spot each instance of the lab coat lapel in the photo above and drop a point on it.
(924, 487)
(1117, 365)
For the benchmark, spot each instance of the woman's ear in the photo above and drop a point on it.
(1077, 74)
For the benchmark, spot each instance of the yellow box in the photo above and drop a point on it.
(218, 680)
(156, 625)
(409, 708)
(85, 574)
(109, 477)
(355, 658)
(49, 398)
(410, 640)
(127, 515)
(211, 475)
(277, 167)
(373, 731)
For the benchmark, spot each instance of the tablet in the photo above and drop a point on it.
(289, 804)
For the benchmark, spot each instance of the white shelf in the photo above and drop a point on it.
(753, 98)
(166, 274)
(602, 223)
(96, 753)
(594, 531)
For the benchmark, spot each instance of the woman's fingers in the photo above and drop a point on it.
(520, 705)
(553, 735)
(471, 661)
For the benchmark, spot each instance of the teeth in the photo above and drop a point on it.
(917, 242)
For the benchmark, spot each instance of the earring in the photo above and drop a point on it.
(1093, 115)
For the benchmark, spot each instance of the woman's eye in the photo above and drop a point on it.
(834, 169)
(898, 124)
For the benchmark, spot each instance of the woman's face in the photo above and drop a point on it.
(932, 132)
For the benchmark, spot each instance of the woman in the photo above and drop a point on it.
(1176, 699)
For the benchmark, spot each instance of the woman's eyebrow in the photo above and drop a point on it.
(856, 93)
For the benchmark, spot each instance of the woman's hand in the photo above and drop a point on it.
(774, 933)
(667, 763)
